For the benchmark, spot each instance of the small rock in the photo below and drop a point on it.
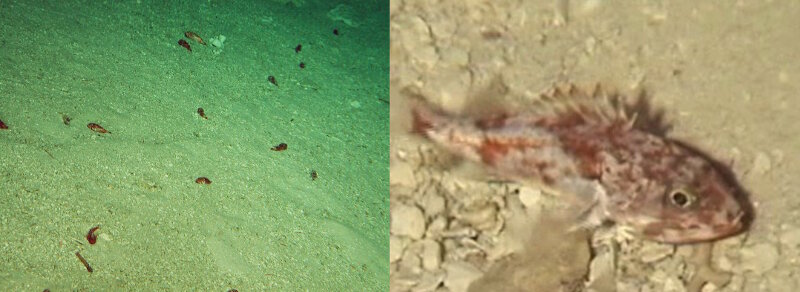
(653, 252)
(709, 287)
(658, 276)
(218, 42)
(628, 287)
(759, 258)
(431, 255)
(401, 192)
(459, 231)
(401, 281)
(460, 275)
(481, 217)
(724, 263)
(673, 284)
(433, 203)
(429, 281)
(396, 247)
(601, 272)
(726, 253)
(405, 276)
(105, 237)
(437, 227)
(401, 154)
(401, 173)
(410, 263)
(407, 221)
(530, 196)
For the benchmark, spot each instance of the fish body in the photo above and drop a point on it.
(585, 144)
(194, 37)
(97, 128)
(184, 44)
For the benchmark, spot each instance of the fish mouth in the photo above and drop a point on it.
(694, 233)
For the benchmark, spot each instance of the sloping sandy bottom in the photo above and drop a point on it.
(263, 223)
(723, 73)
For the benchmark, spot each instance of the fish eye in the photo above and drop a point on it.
(681, 198)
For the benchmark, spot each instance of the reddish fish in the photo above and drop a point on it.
(585, 144)
(184, 44)
(195, 37)
(97, 128)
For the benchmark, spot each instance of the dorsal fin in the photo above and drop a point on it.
(602, 104)
(597, 103)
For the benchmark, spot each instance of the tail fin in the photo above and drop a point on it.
(425, 117)
(422, 119)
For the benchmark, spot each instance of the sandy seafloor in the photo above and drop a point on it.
(263, 224)
(724, 72)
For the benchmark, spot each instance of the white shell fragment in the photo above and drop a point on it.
(530, 197)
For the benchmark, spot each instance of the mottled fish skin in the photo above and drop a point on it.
(583, 144)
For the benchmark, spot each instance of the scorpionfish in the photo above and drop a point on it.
(586, 143)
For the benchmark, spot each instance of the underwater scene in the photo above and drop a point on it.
(194, 145)
(630, 146)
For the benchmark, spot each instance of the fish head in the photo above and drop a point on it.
(684, 197)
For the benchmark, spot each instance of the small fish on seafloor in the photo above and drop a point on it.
(184, 44)
(97, 128)
(195, 37)
(604, 152)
